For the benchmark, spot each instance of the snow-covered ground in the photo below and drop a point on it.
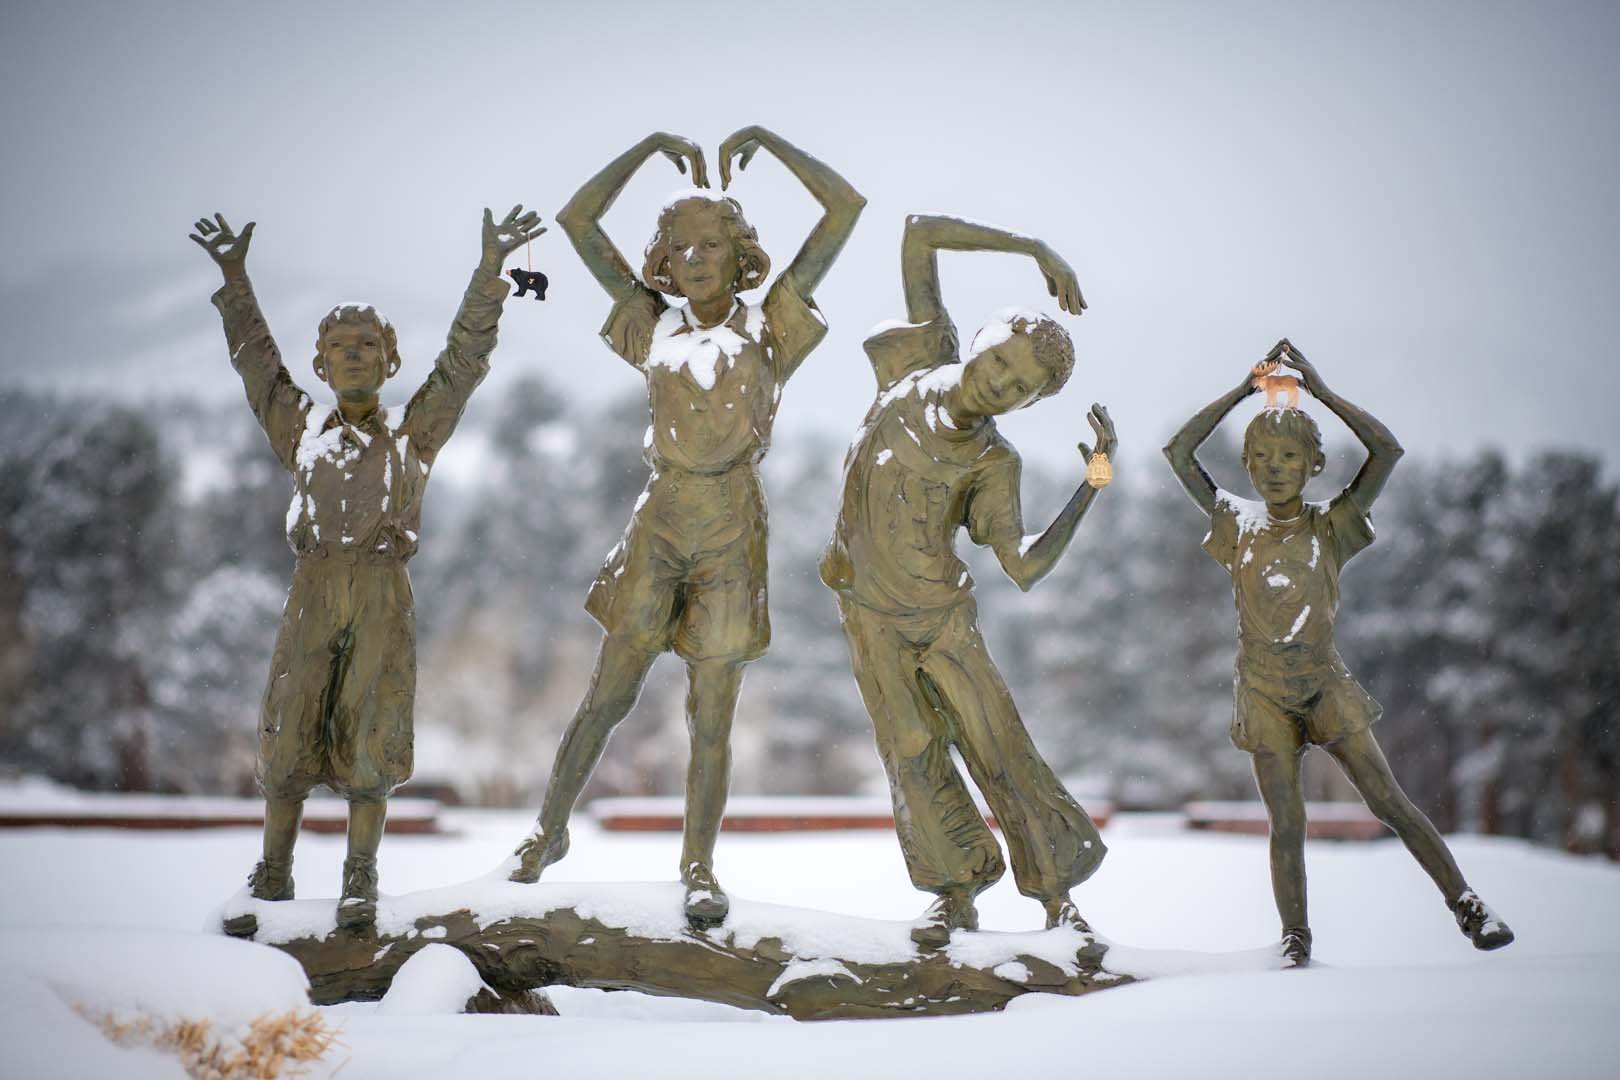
(1396, 990)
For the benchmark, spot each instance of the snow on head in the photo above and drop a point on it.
(1000, 328)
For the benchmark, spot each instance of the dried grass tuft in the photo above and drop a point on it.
(275, 1045)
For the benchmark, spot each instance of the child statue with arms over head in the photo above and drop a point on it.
(927, 462)
(689, 574)
(338, 707)
(1291, 690)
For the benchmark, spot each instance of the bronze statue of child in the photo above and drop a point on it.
(927, 462)
(338, 706)
(1291, 690)
(689, 574)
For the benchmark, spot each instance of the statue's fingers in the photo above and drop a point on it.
(749, 150)
(223, 227)
(200, 242)
(247, 233)
(700, 168)
(1085, 450)
(512, 214)
(680, 162)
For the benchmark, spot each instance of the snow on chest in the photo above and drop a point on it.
(1283, 581)
(703, 352)
(343, 471)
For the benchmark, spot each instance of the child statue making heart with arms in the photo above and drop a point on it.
(689, 575)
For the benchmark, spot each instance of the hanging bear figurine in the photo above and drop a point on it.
(529, 279)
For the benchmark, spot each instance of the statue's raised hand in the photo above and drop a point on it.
(1293, 358)
(742, 144)
(503, 237)
(1060, 280)
(681, 151)
(1099, 464)
(224, 246)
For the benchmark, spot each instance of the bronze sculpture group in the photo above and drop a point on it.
(689, 574)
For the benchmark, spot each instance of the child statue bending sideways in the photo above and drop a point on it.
(1291, 689)
(338, 706)
(927, 462)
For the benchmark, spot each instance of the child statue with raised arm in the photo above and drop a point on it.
(927, 462)
(689, 575)
(338, 706)
(1291, 690)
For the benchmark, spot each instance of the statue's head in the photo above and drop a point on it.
(1016, 358)
(356, 351)
(1282, 450)
(704, 248)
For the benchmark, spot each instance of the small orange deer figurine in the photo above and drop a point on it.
(1275, 384)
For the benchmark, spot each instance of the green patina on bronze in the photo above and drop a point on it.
(689, 574)
(1291, 690)
(927, 462)
(518, 956)
(338, 704)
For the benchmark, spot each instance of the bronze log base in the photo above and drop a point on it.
(522, 938)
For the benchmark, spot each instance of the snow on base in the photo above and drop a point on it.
(652, 910)
(51, 979)
(436, 981)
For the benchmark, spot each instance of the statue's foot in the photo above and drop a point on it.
(537, 852)
(1295, 947)
(951, 910)
(270, 882)
(706, 903)
(357, 907)
(1062, 912)
(242, 926)
(1480, 923)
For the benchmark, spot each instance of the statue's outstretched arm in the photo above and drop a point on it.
(929, 233)
(1031, 558)
(1383, 450)
(581, 219)
(841, 202)
(277, 402)
(1182, 449)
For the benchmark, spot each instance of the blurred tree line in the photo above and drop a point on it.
(143, 571)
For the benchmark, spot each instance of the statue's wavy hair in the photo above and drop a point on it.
(358, 313)
(1296, 424)
(752, 262)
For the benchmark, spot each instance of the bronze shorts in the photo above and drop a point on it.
(689, 574)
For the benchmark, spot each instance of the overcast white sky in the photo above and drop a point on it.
(1422, 196)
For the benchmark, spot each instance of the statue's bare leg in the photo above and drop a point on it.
(711, 702)
(1281, 789)
(621, 669)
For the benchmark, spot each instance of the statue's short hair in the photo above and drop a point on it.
(752, 262)
(1054, 351)
(1296, 424)
(360, 313)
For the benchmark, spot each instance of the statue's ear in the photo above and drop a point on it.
(393, 364)
(320, 368)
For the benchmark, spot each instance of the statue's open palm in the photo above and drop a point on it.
(223, 245)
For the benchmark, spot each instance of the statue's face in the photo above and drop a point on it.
(355, 358)
(1279, 466)
(702, 260)
(1003, 378)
